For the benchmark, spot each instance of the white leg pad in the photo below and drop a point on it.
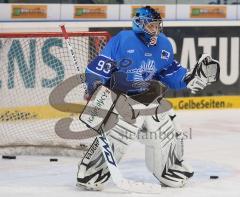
(163, 149)
(92, 170)
(159, 143)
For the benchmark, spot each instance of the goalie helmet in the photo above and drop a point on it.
(147, 22)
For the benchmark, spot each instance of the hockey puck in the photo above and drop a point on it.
(53, 159)
(8, 157)
(214, 177)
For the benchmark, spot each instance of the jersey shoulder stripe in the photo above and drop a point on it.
(101, 66)
(95, 73)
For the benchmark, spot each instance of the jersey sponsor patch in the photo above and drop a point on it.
(165, 55)
(148, 54)
(130, 51)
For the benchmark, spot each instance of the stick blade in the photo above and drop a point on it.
(118, 179)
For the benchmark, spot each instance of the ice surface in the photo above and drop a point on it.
(213, 150)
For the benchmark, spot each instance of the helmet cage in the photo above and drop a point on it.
(149, 25)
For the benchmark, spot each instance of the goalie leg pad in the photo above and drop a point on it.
(88, 178)
(92, 170)
(163, 151)
(179, 150)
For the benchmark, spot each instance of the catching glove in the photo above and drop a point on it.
(205, 72)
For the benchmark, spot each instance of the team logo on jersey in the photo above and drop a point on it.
(130, 51)
(146, 71)
(148, 54)
(141, 76)
(165, 55)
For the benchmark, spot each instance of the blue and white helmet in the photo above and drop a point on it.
(147, 21)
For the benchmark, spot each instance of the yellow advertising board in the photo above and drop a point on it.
(90, 12)
(186, 103)
(29, 11)
(160, 9)
(213, 102)
(208, 11)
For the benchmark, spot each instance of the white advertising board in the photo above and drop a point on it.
(89, 12)
(107, 12)
(206, 12)
(29, 12)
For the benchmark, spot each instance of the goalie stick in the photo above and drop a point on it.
(118, 179)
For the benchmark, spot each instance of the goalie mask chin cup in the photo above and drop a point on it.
(148, 23)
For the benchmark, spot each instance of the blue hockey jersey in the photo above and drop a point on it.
(127, 64)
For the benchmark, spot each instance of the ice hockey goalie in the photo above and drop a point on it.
(135, 64)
